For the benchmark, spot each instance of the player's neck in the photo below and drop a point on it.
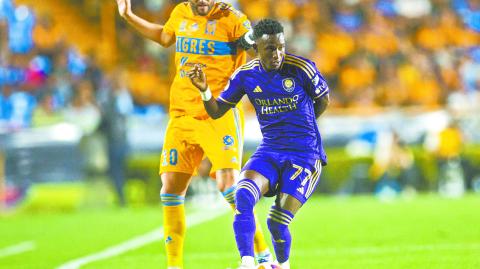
(272, 69)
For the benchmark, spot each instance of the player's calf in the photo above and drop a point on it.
(246, 196)
(278, 221)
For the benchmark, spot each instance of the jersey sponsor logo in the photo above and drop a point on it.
(321, 88)
(194, 27)
(205, 46)
(276, 105)
(288, 84)
(228, 140)
(183, 26)
(257, 89)
(211, 27)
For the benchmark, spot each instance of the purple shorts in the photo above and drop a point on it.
(295, 176)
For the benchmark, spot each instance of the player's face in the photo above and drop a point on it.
(202, 7)
(271, 50)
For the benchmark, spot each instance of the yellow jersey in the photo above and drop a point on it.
(209, 40)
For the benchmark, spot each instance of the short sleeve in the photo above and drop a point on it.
(241, 24)
(233, 92)
(170, 26)
(316, 85)
(242, 27)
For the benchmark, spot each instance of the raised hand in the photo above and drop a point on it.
(198, 78)
(124, 7)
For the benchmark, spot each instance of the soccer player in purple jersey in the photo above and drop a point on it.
(289, 94)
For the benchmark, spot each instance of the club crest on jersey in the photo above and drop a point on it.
(211, 27)
(228, 140)
(288, 84)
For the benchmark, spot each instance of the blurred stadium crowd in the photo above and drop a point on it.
(374, 53)
(76, 61)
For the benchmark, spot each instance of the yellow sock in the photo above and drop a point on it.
(259, 240)
(259, 243)
(174, 228)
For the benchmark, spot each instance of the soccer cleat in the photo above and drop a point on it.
(268, 265)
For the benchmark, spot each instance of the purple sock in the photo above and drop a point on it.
(278, 221)
(246, 197)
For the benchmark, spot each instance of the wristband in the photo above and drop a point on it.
(206, 95)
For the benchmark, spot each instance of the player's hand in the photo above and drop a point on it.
(124, 8)
(198, 78)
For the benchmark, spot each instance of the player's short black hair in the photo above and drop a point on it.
(267, 26)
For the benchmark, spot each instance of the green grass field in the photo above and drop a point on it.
(329, 232)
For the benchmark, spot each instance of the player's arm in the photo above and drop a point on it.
(316, 86)
(243, 32)
(149, 30)
(246, 42)
(214, 108)
(321, 105)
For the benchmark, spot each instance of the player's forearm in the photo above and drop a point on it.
(215, 109)
(149, 30)
(321, 105)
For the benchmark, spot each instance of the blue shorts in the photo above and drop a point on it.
(295, 176)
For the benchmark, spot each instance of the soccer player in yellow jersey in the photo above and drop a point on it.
(216, 35)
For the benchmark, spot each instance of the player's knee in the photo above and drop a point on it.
(175, 183)
(226, 178)
(246, 196)
(278, 221)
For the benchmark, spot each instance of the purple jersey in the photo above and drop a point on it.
(283, 100)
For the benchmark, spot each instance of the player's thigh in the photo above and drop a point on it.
(263, 169)
(180, 153)
(288, 202)
(298, 181)
(222, 141)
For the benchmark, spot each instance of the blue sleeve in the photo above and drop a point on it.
(233, 92)
(315, 84)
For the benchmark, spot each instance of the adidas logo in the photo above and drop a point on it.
(257, 89)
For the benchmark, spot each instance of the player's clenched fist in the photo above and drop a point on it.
(124, 7)
(198, 78)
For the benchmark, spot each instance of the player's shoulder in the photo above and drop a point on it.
(302, 64)
(181, 8)
(247, 68)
